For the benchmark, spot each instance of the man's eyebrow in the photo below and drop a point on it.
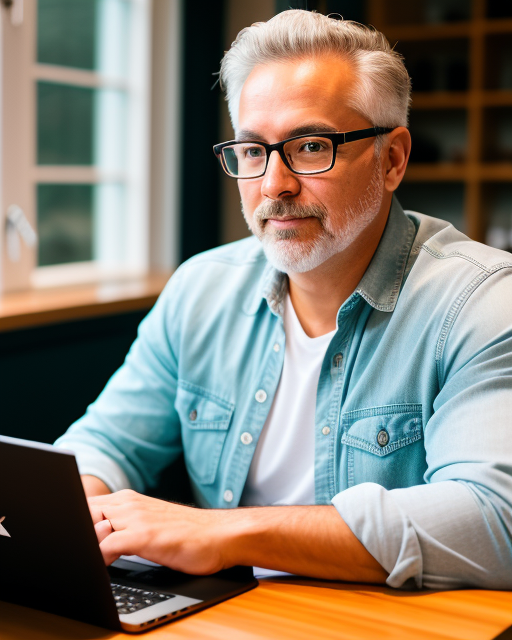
(305, 129)
(246, 135)
(313, 127)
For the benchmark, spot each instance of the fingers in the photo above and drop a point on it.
(103, 529)
(111, 505)
(118, 543)
(96, 513)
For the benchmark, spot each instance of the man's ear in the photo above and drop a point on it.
(396, 153)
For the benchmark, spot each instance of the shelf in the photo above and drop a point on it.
(48, 306)
(438, 172)
(498, 98)
(461, 111)
(442, 172)
(501, 25)
(441, 100)
(496, 172)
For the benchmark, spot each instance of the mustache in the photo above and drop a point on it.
(284, 209)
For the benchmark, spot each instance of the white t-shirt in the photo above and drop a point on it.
(282, 471)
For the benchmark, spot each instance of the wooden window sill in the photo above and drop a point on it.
(48, 306)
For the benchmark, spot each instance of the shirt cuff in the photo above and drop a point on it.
(92, 462)
(384, 529)
(440, 535)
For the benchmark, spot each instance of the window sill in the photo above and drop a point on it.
(60, 304)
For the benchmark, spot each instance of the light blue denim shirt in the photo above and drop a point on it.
(415, 387)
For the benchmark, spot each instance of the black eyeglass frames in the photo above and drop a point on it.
(305, 154)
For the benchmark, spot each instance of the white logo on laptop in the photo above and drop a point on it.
(3, 530)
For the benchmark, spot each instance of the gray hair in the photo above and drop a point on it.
(383, 92)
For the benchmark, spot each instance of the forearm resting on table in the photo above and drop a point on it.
(93, 486)
(312, 541)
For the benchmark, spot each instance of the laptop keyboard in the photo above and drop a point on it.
(129, 599)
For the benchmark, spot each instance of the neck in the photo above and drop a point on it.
(317, 295)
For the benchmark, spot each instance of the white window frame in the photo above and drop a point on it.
(151, 241)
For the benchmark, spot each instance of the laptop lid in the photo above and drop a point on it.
(50, 558)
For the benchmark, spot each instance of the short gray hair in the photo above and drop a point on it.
(383, 92)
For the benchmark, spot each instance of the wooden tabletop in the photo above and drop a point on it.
(297, 609)
(60, 304)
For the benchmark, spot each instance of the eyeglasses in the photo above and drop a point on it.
(305, 155)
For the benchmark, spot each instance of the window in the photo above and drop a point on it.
(76, 137)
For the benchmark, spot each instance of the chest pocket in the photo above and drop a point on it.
(205, 420)
(383, 445)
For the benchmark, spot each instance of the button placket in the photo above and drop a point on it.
(337, 360)
(260, 396)
(246, 438)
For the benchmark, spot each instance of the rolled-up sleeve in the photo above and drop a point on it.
(455, 530)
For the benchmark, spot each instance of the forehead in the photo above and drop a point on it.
(279, 96)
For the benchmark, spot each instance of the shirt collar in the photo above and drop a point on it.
(382, 280)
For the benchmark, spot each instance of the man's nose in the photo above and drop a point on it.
(279, 181)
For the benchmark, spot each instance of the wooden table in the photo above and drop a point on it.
(298, 609)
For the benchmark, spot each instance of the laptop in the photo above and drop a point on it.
(50, 557)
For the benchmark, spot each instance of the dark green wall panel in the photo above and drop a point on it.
(49, 375)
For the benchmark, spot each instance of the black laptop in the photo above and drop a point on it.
(50, 558)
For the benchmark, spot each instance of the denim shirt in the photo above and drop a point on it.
(415, 389)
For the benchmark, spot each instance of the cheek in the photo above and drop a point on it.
(250, 194)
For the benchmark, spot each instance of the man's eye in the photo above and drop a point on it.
(311, 147)
(253, 152)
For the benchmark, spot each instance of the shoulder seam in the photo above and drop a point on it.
(464, 256)
(455, 309)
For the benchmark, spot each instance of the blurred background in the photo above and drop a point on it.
(109, 110)
(111, 107)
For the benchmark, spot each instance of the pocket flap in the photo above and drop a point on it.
(382, 430)
(200, 409)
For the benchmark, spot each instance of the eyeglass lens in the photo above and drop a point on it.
(304, 155)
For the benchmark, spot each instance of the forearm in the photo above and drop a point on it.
(442, 535)
(312, 541)
(94, 486)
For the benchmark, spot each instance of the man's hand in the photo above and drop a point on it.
(183, 538)
(311, 541)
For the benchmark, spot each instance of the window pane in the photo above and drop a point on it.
(64, 221)
(81, 126)
(85, 34)
(80, 222)
(65, 121)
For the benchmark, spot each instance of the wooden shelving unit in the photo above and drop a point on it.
(459, 56)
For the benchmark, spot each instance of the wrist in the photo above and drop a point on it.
(237, 534)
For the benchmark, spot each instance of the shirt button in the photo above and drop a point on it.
(383, 437)
(261, 395)
(277, 346)
(246, 438)
(192, 415)
(228, 495)
(326, 431)
(337, 360)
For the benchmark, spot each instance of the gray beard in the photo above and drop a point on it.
(283, 247)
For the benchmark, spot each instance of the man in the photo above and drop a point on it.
(347, 372)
